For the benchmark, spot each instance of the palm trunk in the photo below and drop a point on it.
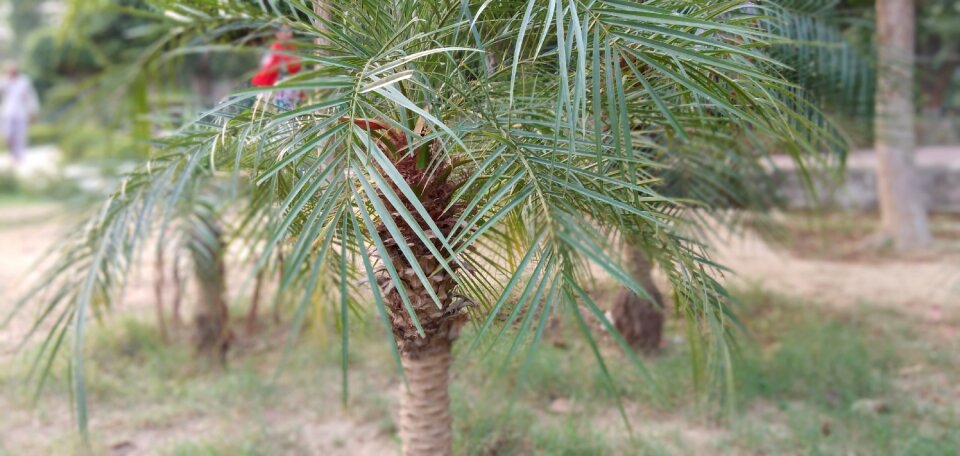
(425, 421)
(425, 418)
(640, 319)
(323, 12)
(901, 201)
(159, 283)
(210, 314)
(276, 305)
(255, 303)
(210, 320)
(202, 80)
(177, 294)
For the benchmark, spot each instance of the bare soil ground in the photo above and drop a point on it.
(830, 265)
(925, 291)
(26, 232)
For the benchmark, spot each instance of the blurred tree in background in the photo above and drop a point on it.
(938, 78)
(937, 61)
(938, 53)
(24, 16)
(85, 60)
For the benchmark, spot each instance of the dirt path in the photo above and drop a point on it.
(926, 289)
(894, 283)
(26, 232)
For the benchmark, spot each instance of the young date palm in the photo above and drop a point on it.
(205, 243)
(470, 160)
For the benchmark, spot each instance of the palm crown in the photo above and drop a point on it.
(470, 160)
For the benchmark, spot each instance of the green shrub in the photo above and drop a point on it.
(48, 54)
(44, 133)
(9, 183)
(93, 142)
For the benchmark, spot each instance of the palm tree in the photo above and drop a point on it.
(465, 187)
(198, 233)
(810, 38)
(204, 240)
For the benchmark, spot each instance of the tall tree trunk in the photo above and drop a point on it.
(202, 80)
(323, 12)
(902, 205)
(639, 319)
(276, 305)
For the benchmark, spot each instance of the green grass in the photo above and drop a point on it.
(828, 364)
(491, 428)
(799, 377)
(810, 369)
(806, 364)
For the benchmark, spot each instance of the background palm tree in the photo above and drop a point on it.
(465, 187)
(834, 73)
(205, 241)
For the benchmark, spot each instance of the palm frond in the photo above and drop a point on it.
(560, 124)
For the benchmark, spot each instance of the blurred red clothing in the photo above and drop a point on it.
(273, 62)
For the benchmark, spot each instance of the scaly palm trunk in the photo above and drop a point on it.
(640, 319)
(425, 423)
(177, 294)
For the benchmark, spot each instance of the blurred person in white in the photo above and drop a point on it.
(18, 107)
